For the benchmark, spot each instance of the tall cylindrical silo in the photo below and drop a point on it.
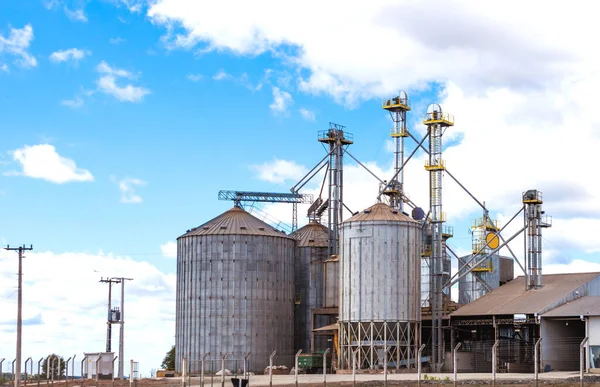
(311, 252)
(235, 293)
(380, 288)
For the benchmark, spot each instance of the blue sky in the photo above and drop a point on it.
(122, 119)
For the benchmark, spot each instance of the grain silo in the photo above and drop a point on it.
(380, 288)
(235, 292)
(496, 271)
(311, 252)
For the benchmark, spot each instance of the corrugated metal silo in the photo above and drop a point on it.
(496, 272)
(311, 252)
(235, 292)
(380, 288)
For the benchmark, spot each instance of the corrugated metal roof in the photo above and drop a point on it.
(584, 306)
(380, 211)
(512, 298)
(235, 221)
(312, 235)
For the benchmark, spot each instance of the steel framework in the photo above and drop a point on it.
(436, 122)
(375, 341)
(268, 197)
(534, 223)
(397, 107)
(337, 139)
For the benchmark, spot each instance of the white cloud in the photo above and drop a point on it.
(117, 40)
(17, 43)
(107, 84)
(307, 114)
(127, 188)
(75, 103)
(281, 101)
(76, 15)
(279, 171)
(51, 308)
(169, 249)
(43, 162)
(195, 77)
(4, 67)
(74, 54)
(221, 75)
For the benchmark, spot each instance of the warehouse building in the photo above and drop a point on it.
(562, 312)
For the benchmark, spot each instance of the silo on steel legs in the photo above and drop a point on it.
(380, 312)
(235, 293)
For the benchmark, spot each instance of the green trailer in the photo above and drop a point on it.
(313, 362)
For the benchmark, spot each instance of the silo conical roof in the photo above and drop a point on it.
(235, 221)
(313, 234)
(380, 211)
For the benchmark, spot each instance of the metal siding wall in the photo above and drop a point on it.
(234, 294)
(469, 289)
(379, 259)
(308, 269)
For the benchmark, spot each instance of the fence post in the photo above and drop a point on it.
(296, 366)
(183, 371)
(58, 373)
(536, 366)
(66, 372)
(202, 371)
(98, 368)
(385, 350)
(246, 365)
(30, 360)
(581, 357)
(271, 368)
(454, 361)
(223, 369)
(131, 373)
(354, 368)
(86, 368)
(52, 370)
(419, 363)
(39, 370)
(12, 372)
(325, 367)
(112, 371)
(494, 361)
(73, 367)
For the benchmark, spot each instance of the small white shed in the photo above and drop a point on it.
(105, 365)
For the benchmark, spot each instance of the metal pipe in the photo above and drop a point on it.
(271, 368)
(39, 370)
(484, 258)
(73, 367)
(98, 367)
(364, 166)
(82, 361)
(202, 371)
(536, 366)
(385, 350)
(30, 360)
(223, 369)
(113, 371)
(296, 366)
(353, 368)
(297, 187)
(419, 352)
(403, 164)
(486, 245)
(130, 372)
(454, 361)
(325, 367)
(581, 357)
(67, 372)
(494, 361)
